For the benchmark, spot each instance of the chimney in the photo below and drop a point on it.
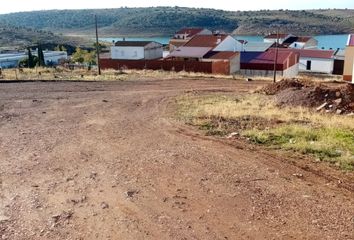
(218, 40)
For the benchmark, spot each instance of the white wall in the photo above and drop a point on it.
(273, 40)
(153, 50)
(292, 71)
(8, 63)
(310, 44)
(297, 45)
(353, 73)
(154, 53)
(235, 64)
(11, 60)
(127, 53)
(54, 57)
(260, 73)
(229, 44)
(185, 36)
(317, 65)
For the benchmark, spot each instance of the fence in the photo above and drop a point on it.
(215, 67)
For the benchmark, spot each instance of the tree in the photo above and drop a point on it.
(60, 48)
(63, 49)
(90, 58)
(24, 63)
(31, 62)
(84, 56)
(41, 61)
(78, 56)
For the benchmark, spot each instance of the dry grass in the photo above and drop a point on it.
(61, 73)
(313, 77)
(327, 137)
(256, 105)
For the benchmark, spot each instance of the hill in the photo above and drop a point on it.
(19, 37)
(159, 21)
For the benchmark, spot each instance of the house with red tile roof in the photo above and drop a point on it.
(349, 60)
(314, 60)
(206, 48)
(262, 63)
(220, 42)
(184, 35)
(198, 46)
(187, 33)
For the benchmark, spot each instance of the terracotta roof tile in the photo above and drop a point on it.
(311, 53)
(205, 40)
(190, 31)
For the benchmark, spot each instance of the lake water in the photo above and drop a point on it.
(324, 41)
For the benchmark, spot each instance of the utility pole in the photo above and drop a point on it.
(97, 48)
(276, 57)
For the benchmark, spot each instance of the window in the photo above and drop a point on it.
(308, 65)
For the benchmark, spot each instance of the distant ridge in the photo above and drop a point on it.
(161, 21)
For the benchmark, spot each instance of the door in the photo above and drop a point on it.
(308, 65)
(338, 67)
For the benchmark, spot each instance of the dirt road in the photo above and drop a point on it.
(105, 160)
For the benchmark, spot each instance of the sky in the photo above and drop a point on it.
(30, 5)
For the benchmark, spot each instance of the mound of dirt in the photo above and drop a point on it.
(338, 99)
(274, 88)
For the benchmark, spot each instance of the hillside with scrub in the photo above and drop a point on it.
(162, 21)
(20, 37)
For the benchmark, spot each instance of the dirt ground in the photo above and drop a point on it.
(107, 160)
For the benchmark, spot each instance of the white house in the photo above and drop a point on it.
(319, 61)
(136, 50)
(197, 47)
(219, 48)
(272, 38)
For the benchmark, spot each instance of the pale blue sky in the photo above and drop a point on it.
(29, 5)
